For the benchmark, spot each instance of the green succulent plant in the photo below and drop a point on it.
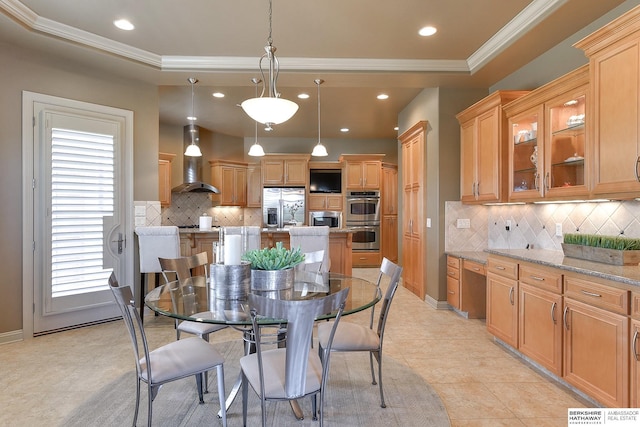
(608, 242)
(276, 258)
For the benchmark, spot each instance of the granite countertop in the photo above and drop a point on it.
(215, 230)
(624, 274)
(477, 256)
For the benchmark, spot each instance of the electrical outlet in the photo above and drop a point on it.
(558, 229)
(463, 223)
(429, 222)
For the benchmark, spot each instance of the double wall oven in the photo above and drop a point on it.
(363, 217)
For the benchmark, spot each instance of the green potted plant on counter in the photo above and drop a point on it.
(272, 268)
(615, 250)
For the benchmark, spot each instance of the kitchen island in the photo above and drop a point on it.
(193, 241)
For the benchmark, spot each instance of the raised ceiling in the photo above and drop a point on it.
(359, 47)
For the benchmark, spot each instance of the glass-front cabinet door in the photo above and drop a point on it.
(565, 160)
(526, 151)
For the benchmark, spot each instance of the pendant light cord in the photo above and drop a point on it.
(319, 82)
(270, 40)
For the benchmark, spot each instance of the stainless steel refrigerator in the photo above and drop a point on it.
(281, 206)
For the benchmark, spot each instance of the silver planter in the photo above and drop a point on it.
(272, 280)
(231, 281)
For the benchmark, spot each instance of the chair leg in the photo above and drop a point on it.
(373, 375)
(314, 407)
(379, 358)
(206, 374)
(221, 395)
(199, 386)
(245, 396)
(135, 412)
(152, 395)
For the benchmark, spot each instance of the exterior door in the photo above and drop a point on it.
(80, 225)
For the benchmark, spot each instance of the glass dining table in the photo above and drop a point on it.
(194, 299)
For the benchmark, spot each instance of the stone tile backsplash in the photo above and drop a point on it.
(186, 209)
(535, 224)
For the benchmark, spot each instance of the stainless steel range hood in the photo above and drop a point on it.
(193, 167)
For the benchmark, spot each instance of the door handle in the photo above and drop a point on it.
(553, 313)
(564, 318)
(511, 296)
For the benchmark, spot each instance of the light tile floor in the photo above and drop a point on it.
(480, 383)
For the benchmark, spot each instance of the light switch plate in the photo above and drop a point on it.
(558, 229)
(141, 211)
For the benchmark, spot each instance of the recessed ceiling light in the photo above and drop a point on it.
(383, 96)
(218, 95)
(344, 130)
(192, 118)
(123, 24)
(303, 96)
(396, 128)
(427, 31)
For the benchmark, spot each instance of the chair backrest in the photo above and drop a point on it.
(124, 299)
(182, 267)
(393, 272)
(300, 315)
(157, 242)
(311, 239)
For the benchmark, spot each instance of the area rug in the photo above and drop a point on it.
(351, 399)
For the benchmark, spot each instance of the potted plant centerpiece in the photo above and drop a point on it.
(272, 268)
(616, 250)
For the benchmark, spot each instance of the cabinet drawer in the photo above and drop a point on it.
(474, 267)
(541, 277)
(365, 259)
(596, 294)
(503, 267)
(635, 305)
(453, 272)
(453, 261)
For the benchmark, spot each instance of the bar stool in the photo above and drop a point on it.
(311, 239)
(155, 242)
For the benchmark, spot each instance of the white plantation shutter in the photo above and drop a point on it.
(82, 193)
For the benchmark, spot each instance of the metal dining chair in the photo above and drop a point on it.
(294, 371)
(354, 337)
(170, 362)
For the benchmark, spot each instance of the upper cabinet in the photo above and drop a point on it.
(164, 178)
(254, 185)
(483, 148)
(362, 171)
(230, 178)
(614, 107)
(285, 170)
(548, 153)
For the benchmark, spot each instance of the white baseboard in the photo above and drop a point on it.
(9, 337)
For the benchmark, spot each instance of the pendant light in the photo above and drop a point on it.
(319, 150)
(192, 149)
(270, 109)
(256, 149)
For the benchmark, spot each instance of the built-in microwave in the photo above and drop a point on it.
(332, 219)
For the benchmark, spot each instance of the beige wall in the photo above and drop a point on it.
(20, 71)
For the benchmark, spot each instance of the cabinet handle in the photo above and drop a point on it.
(499, 267)
(451, 292)
(635, 345)
(547, 179)
(476, 269)
(637, 174)
(477, 191)
(591, 294)
(511, 296)
(451, 273)
(564, 318)
(535, 181)
(539, 279)
(553, 313)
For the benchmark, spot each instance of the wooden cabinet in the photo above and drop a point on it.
(230, 178)
(502, 299)
(413, 143)
(483, 149)
(164, 178)
(283, 169)
(389, 210)
(540, 316)
(596, 339)
(340, 249)
(548, 155)
(254, 186)
(389, 236)
(362, 171)
(325, 202)
(453, 281)
(473, 289)
(634, 347)
(614, 67)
